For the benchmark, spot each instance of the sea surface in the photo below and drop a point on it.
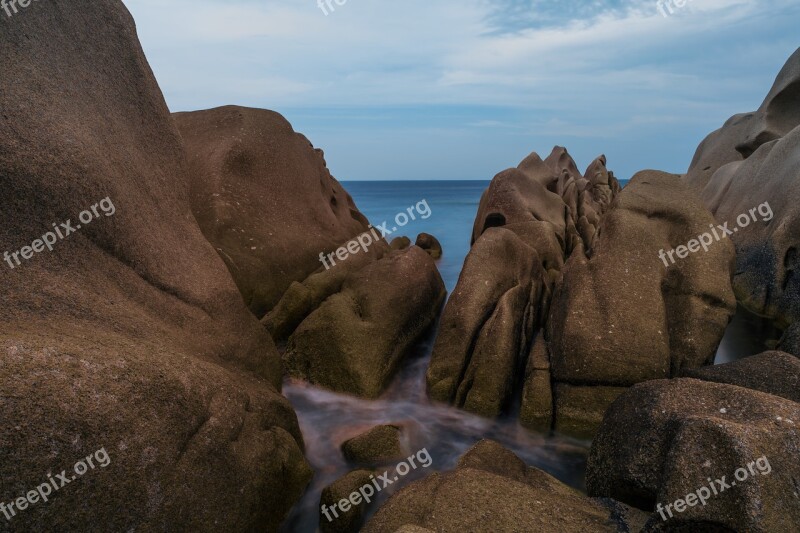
(327, 419)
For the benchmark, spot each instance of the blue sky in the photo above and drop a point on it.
(462, 89)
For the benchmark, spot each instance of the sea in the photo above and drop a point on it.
(327, 419)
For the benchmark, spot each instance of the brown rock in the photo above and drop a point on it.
(430, 244)
(621, 316)
(336, 520)
(776, 373)
(743, 134)
(664, 439)
(129, 336)
(264, 198)
(493, 490)
(400, 243)
(380, 445)
(354, 341)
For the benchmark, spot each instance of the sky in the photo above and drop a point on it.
(463, 89)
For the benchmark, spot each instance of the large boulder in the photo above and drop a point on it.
(129, 337)
(264, 198)
(749, 170)
(757, 197)
(524, 230)
(346, 305)
(628, 314)
(493, 490)
(664, 440)
(355, 340)
(567, 294)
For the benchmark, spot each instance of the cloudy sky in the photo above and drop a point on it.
(461, 89)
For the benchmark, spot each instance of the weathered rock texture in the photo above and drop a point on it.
(130, 334)
(379, 446)
(335, 520)
(265, 199)
(492, 489)
(750, 167)
(564, 296)
(664, 439)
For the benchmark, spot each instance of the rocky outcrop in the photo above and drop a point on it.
(749, 168)
(577, 265)
(338, 514)
(665, 439)
(653, 320)
(129, 335)
(524, 230)
(379, 446)
(492, 488)
(354, 341)
(430, 244)
(347, 306)
(264, 198)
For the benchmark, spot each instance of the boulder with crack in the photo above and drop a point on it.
(664, 440)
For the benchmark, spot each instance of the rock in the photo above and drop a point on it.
(301, 252)
(790, 342)
(744, 133)
(264, 198)
(354, 341)
(400, 243)
(579, 410)
(600, 334)
(481, 334)
(430, 244)
(530, 220)
(775, 373)
(749, 169)
(762, 190)
(130, 336)
(380, 445)
(536, 411)
(492, 488)
(338, 494)
(664, 439)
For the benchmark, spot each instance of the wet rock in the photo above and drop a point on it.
(130, 335)
(664, 439)
(264, 198)
(400, 243)
(491, 487)
(430, 244)
(775, 373)
(338, 513)
(380, 445)
(355, 340)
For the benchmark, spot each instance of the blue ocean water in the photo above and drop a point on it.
(453, 205)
